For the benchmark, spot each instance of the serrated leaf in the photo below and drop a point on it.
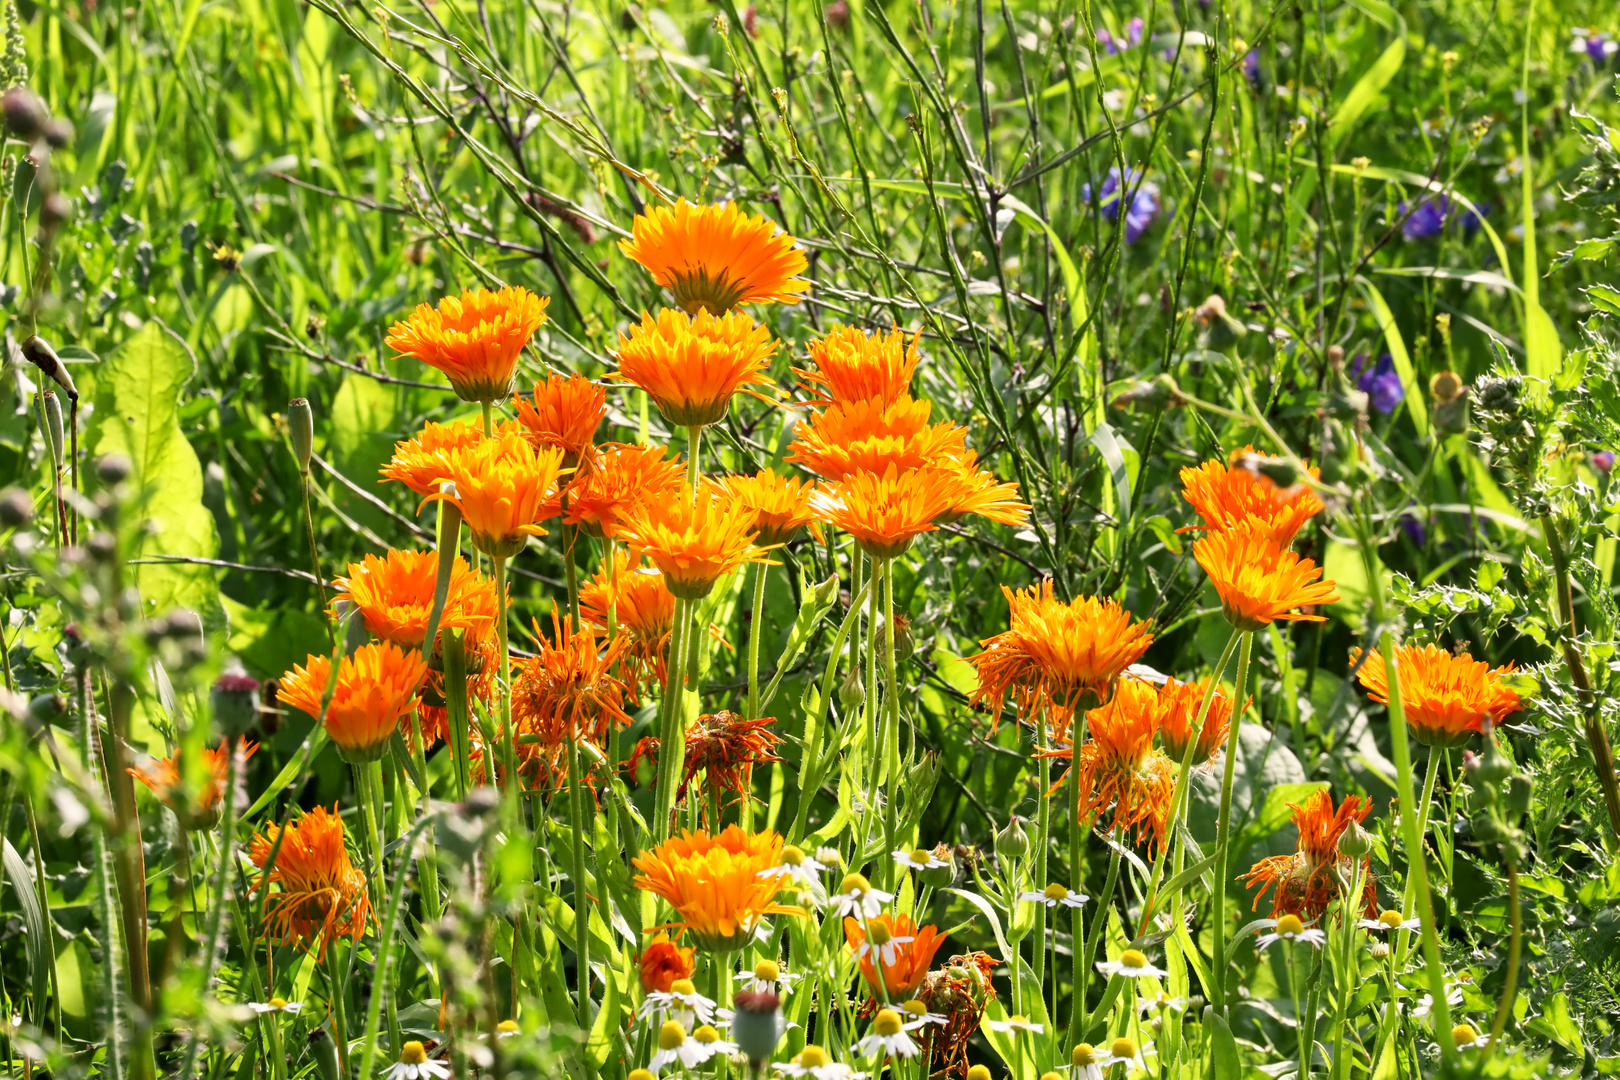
(1605, 298)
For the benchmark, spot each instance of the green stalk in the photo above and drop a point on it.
(571, 570)
(1043, 826)
(428, 865)
(671, 736)
(371, 795)
(1510, 981)
(380, 990)
(1349, 908)
(1409, 895)
(514, 785)
(582, 903)
(1223, 828)
(336, 991)
(222, 888)
(891, 723)
(304, 482)
(1078, 1024)
(756, 627)
(810, 761)
(458, 718)
(694, 445)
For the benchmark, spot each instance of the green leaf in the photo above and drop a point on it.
(137, 393)
(1416, 406)
(1275, 812)
(1369, 86)
(1108, 446)
(37, 943)
(1591, 248)
(1605, 298)
(1223, 1052)
(1556, 1023)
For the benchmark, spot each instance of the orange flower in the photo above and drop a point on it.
(723, 749)
(504, 488)
(564, 413)
(662, 962)
(1120, 769)
(162, 776)
(1226, 497)
(376, 685)
(1179, 703)
(616, 479)
(782, 505)
(694, 544)
(871, 435)
(1446, 698)
(1055, 654)
(690, 365)
(475, 339)
(541, 766)
(643, 614)
(905, 963)
(854, 365)
(420, 463)
(716, 257)
(321, 895)
(974, 491)
(566, 690)
(1312, 878)
(885, 513)
(395, 595)
(1258, 578)
(713, 883)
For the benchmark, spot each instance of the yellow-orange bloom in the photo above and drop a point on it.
(662, 962)
(693, 543)
(504, 488)
(1258, 578)
(975, 491)
(856, 365)
(1225, 497)
(376, 685)
(475, 339)
(1179, 703)
(716, 257)
(871, 435)
(614, 480)
(420, 463)
(713, 883)
(1446, 698)
(1119, 768)
(781, 505)
(320, 894)
(885, 513)
(162, 776)
(643, 614)
(911, 957)
(690, 365)
(395, 596)
(1314, 876)
(1056, 654)
(567, 689)
(564, 413)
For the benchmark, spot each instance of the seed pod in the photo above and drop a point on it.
(1012, 842)
(301, 429)
(37, 351)
(24, 112)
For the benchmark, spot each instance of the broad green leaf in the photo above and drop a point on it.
(1605, 298)
(1223, 1051)
(1369, 86)
(37, 944)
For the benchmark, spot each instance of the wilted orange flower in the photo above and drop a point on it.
(975, 491)
(693, 543)
(541, 766)
(504, 488)
(563, 413)
(781, 505)
(567, 689)
(690, 365)
(884, 513)
(723, 749)
(475, 339)
(713, 883)
(321, 895)
(911, 958)
(615, 479)
(959, 991)
(643, 614)
(162, 776)
(1119, 768)
(1225, 497)
(872, 435)
(716, 257)
(854, 365)
(1179, 703)
(1446, 698)
(1055, 654)
(1258, 578)
(395, 596)
(1312, 878)
(376, 685)
(662, 962)
(420, 463)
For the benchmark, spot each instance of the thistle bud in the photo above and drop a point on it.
(24, 112)
(235, 700)
(755, 1026)
(1012, 842)
(301, 430)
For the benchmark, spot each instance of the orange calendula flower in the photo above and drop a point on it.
(320, 895)
(614, 480)
(1120, 770)
(872, 435)
(567, 689)
(781, 505)
(162, 776)
(504, 488)
(904, 950)
(1179, 703)
(564, 413)
(376, 685)
(885, 513)
(1056, 654)
(722, 750)
(420, 463)
(693, 543)
(975, 491)
(856, 365)
(1312, 878)
(716, 257)
(713, 883)
(643, 614)
(662, 962)
(475, 339)
(1258, 578)
(395, 595)
(1227, 497)
(1446, 698)
(690, 365)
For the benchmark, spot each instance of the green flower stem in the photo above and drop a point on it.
(671, 737)
(755, 628)
(694, 446)
(222, 887)
(385, 945)
(891, 724)
(1349, 909)
(582, 902)
(571, 569)
(1510, 980)
(1043, 828)
(336, 991)
(428, 865)
(458, 721)
(1078, 1023)
(304, 482)
(1223, 827)
(372, 795)
(810, 761)
(513, 784)
(1409, 895)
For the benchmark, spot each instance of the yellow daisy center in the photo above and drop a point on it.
(878, 934)
(887, 1022)
(919, 856)
(979, 1072)
(855, 884)
(792, 856)
(1133, 958)
(767, 971)
(412, 1053)
(915, 1007)
(1055, 892)
(639, 1074)
(706, 1034)
(507, 1027)
(1463, 1034)
(812, 1057)
(1290, 925)
(671, 1035)
(1083, 1053)
(1123, 1048)
(278, 1003)
(682, 986)
(1391, 919)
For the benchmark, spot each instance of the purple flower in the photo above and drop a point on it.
(1144, 205)
(1596, 44)
(1413, 526)
(1252, 72)
(1112, 45)
(1426, 221)
(1380, 382)
(1603, 460)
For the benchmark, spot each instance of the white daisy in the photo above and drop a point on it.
(883, 941)
(1087, 1061)
(767, 978)
(1151, 1002)
(918, 859)
(1390, 920)
(797, 865)
(506, 1029)
(1055, 894)
(857, 895)
(888, 1037)
(917, 1015)
(690, 1050)
(681, 1002)
(1425, 1005)
(1466, 1037)
(1132, 964)
(275, 1004)
(414, 1065)
(812, 1061)
(1126, 1052)
(1289, 928)
(1015, 1023)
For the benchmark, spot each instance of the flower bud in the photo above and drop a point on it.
(755, 1026)
(301, 430)
(1517, 802)
(851, 692)
(1222, 332)
(1012, 842)
(16, 508)
(938, 877)
(905, 647)
(235, 700)
(37, 351)
(827, 591)
(1356, 842)
(24, 112)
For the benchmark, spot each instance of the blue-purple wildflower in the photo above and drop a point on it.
(1112, 46)
(1380, 383)
(1144, 205)
(1598, 45)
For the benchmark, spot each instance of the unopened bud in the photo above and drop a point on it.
(24, 112)
(1159, 393)
(1517, 802)
(235, 699)
(938, 877)
(755, 1026)
(37, 351)
(827, 591)
(851, 692)
(1356, 842)
(1222, 332)
(1012, 842)
(301, 430)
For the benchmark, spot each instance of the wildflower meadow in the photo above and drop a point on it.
(831, 539)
